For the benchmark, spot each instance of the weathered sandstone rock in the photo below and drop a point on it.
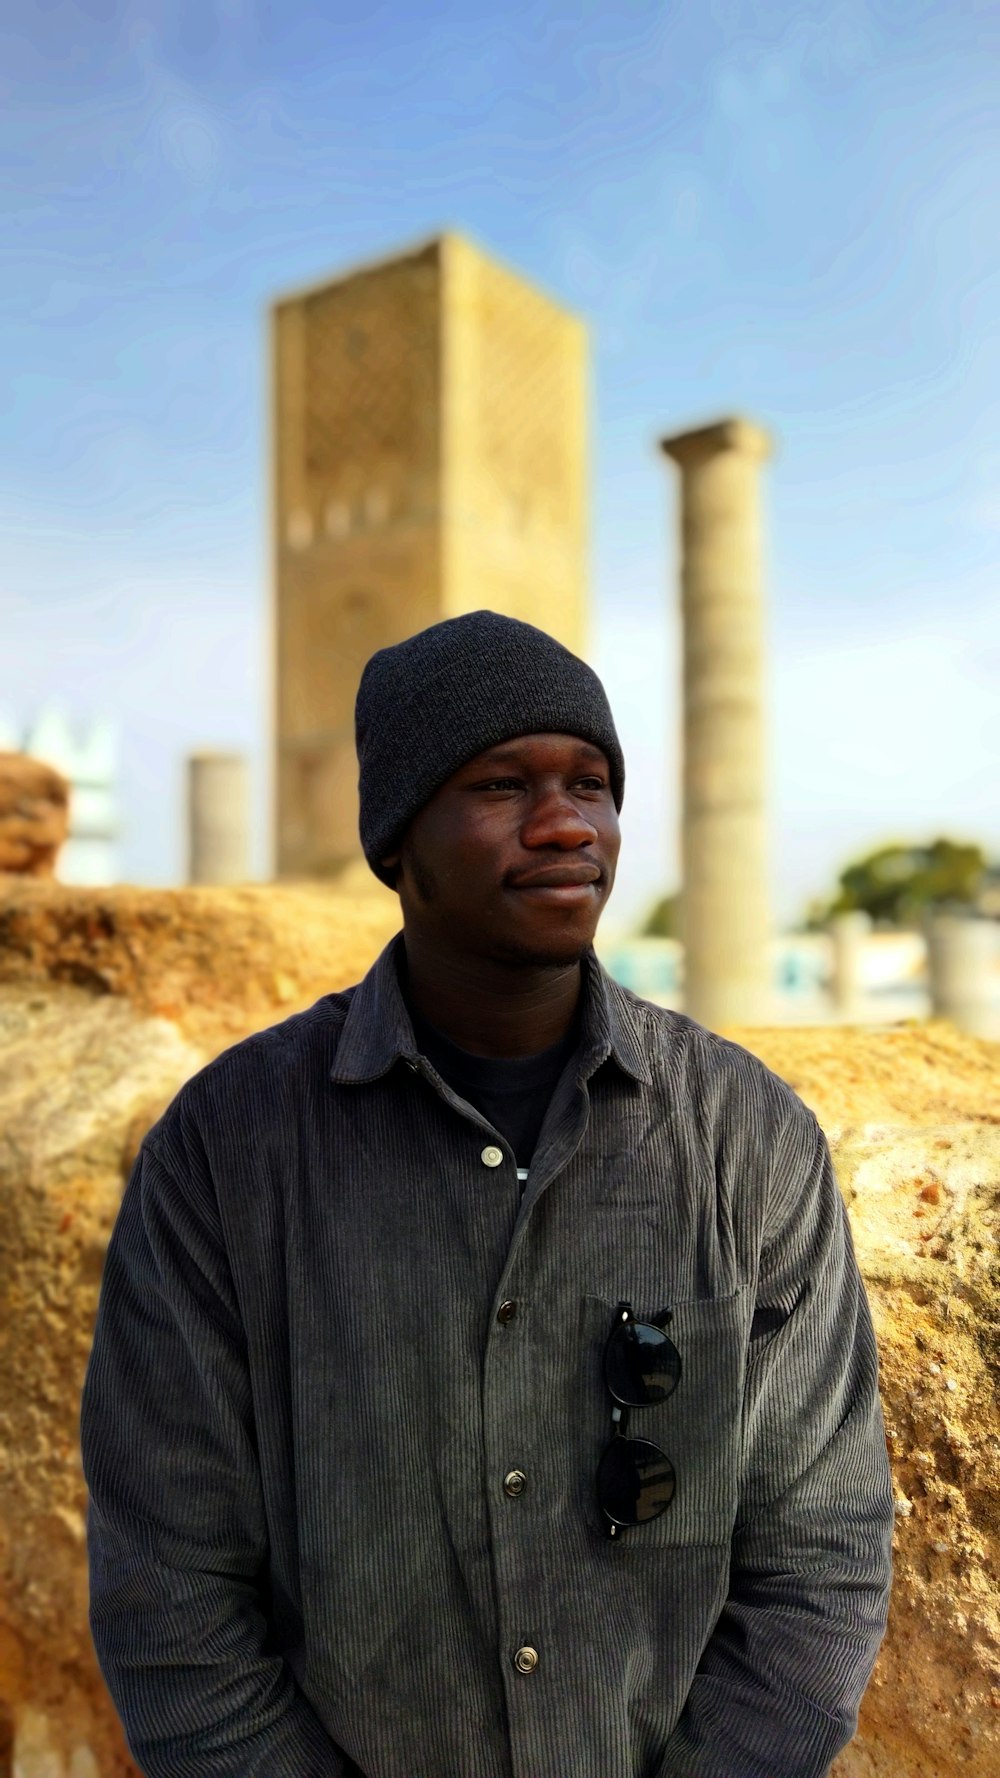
(109, 999)
(218, 963)
(34, 815)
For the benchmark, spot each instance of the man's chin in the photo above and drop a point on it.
(551, 953)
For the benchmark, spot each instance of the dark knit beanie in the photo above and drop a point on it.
(434, 701)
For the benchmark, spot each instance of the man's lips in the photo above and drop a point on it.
(560, 876)
(560, 885)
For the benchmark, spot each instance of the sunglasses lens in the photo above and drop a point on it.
(635, 1481)
(641, 1366)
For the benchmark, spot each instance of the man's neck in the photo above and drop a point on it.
(488, 1008)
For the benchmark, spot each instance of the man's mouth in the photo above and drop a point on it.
(560, 884)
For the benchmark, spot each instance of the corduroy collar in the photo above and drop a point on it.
(378, 1030)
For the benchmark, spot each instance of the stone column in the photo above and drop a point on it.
(218, 818)
(961, 964)
(725, 903)
(848, 933)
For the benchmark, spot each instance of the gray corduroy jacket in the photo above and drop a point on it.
(304, 1397)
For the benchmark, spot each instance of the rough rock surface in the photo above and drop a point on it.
(925, 1209)
(109, 999)
(912, 1114)
(34, 815)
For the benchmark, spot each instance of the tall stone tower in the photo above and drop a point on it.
(429, 459)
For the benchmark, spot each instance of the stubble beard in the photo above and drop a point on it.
(526, 956)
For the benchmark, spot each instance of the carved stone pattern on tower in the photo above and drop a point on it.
(362, 378)
(526, 397)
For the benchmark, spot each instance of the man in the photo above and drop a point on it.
(483, 1385)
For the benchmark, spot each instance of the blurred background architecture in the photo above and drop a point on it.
(429, 419)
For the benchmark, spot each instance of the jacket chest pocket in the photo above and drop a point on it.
(697, 1427)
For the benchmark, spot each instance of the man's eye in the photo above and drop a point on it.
(592, 783)
(499, 784)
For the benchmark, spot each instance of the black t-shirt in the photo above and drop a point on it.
(513, 1092)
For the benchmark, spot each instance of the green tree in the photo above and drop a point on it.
(664, 919)
(897, 884)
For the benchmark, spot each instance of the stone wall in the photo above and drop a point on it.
(110, 999)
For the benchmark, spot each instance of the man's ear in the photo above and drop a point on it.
(391, 863)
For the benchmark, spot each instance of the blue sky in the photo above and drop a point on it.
(786, 210)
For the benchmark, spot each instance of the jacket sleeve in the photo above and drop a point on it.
(176, 1528)
(778, 1687)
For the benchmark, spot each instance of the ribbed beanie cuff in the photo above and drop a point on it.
(430, 703)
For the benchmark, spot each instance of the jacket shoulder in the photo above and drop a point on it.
(241, 1088)
(714, 1075)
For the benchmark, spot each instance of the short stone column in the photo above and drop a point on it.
(962, 952)
(218, 814)
(725, 902)
(848, 933)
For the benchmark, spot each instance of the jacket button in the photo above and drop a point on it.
(491, 1157)
(526, 1660)
(506, 1312)
(515, 1482)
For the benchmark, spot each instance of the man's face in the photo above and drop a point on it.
(514, 857)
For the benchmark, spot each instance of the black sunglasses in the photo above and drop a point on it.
(635, 1479)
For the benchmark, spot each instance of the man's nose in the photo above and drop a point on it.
(556, 819)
